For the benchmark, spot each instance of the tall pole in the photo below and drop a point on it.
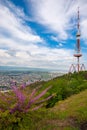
(78, 55)
(78, 67)
(78, 40)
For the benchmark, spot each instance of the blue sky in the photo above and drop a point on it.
(41, 33)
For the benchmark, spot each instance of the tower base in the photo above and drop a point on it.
(74, 68)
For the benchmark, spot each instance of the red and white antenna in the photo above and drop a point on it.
(78, 67)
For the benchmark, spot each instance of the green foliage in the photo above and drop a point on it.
(66, 86)
(56, 117)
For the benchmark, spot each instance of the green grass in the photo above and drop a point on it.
(73, 108)
(65, 115)
(68, 113)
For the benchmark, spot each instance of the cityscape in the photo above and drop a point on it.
(23, 77)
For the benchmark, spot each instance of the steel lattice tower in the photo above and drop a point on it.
(78, 67)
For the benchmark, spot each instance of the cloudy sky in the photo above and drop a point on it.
(41, 33)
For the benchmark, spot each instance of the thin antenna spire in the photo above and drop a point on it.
(78, 19)
(78, 67)
(78, 34)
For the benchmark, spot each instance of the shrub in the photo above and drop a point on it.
(20, 101)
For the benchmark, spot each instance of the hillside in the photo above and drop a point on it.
(66, 110)
(70, 114)
(64, 86)
(73, 111)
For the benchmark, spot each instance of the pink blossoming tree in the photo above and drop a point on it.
(20, 101)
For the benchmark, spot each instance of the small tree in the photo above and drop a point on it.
(20, 101)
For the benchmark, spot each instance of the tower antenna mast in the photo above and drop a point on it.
(78, 67)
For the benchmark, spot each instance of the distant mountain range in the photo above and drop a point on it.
(7, 68)
(15, 68)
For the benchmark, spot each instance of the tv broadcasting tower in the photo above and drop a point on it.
(78, 67)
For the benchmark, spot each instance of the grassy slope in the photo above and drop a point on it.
(64, 86)
(70, 113)
(67, 114)
(73, 109)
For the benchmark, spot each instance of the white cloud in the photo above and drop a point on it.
(60, 16)
(54, 38)
(3, 54)
(18, 42)
(14, 26)
(54, 14)
(84, 29)
(39, 57)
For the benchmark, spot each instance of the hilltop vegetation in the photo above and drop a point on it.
(64, 86)
(66, 110)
